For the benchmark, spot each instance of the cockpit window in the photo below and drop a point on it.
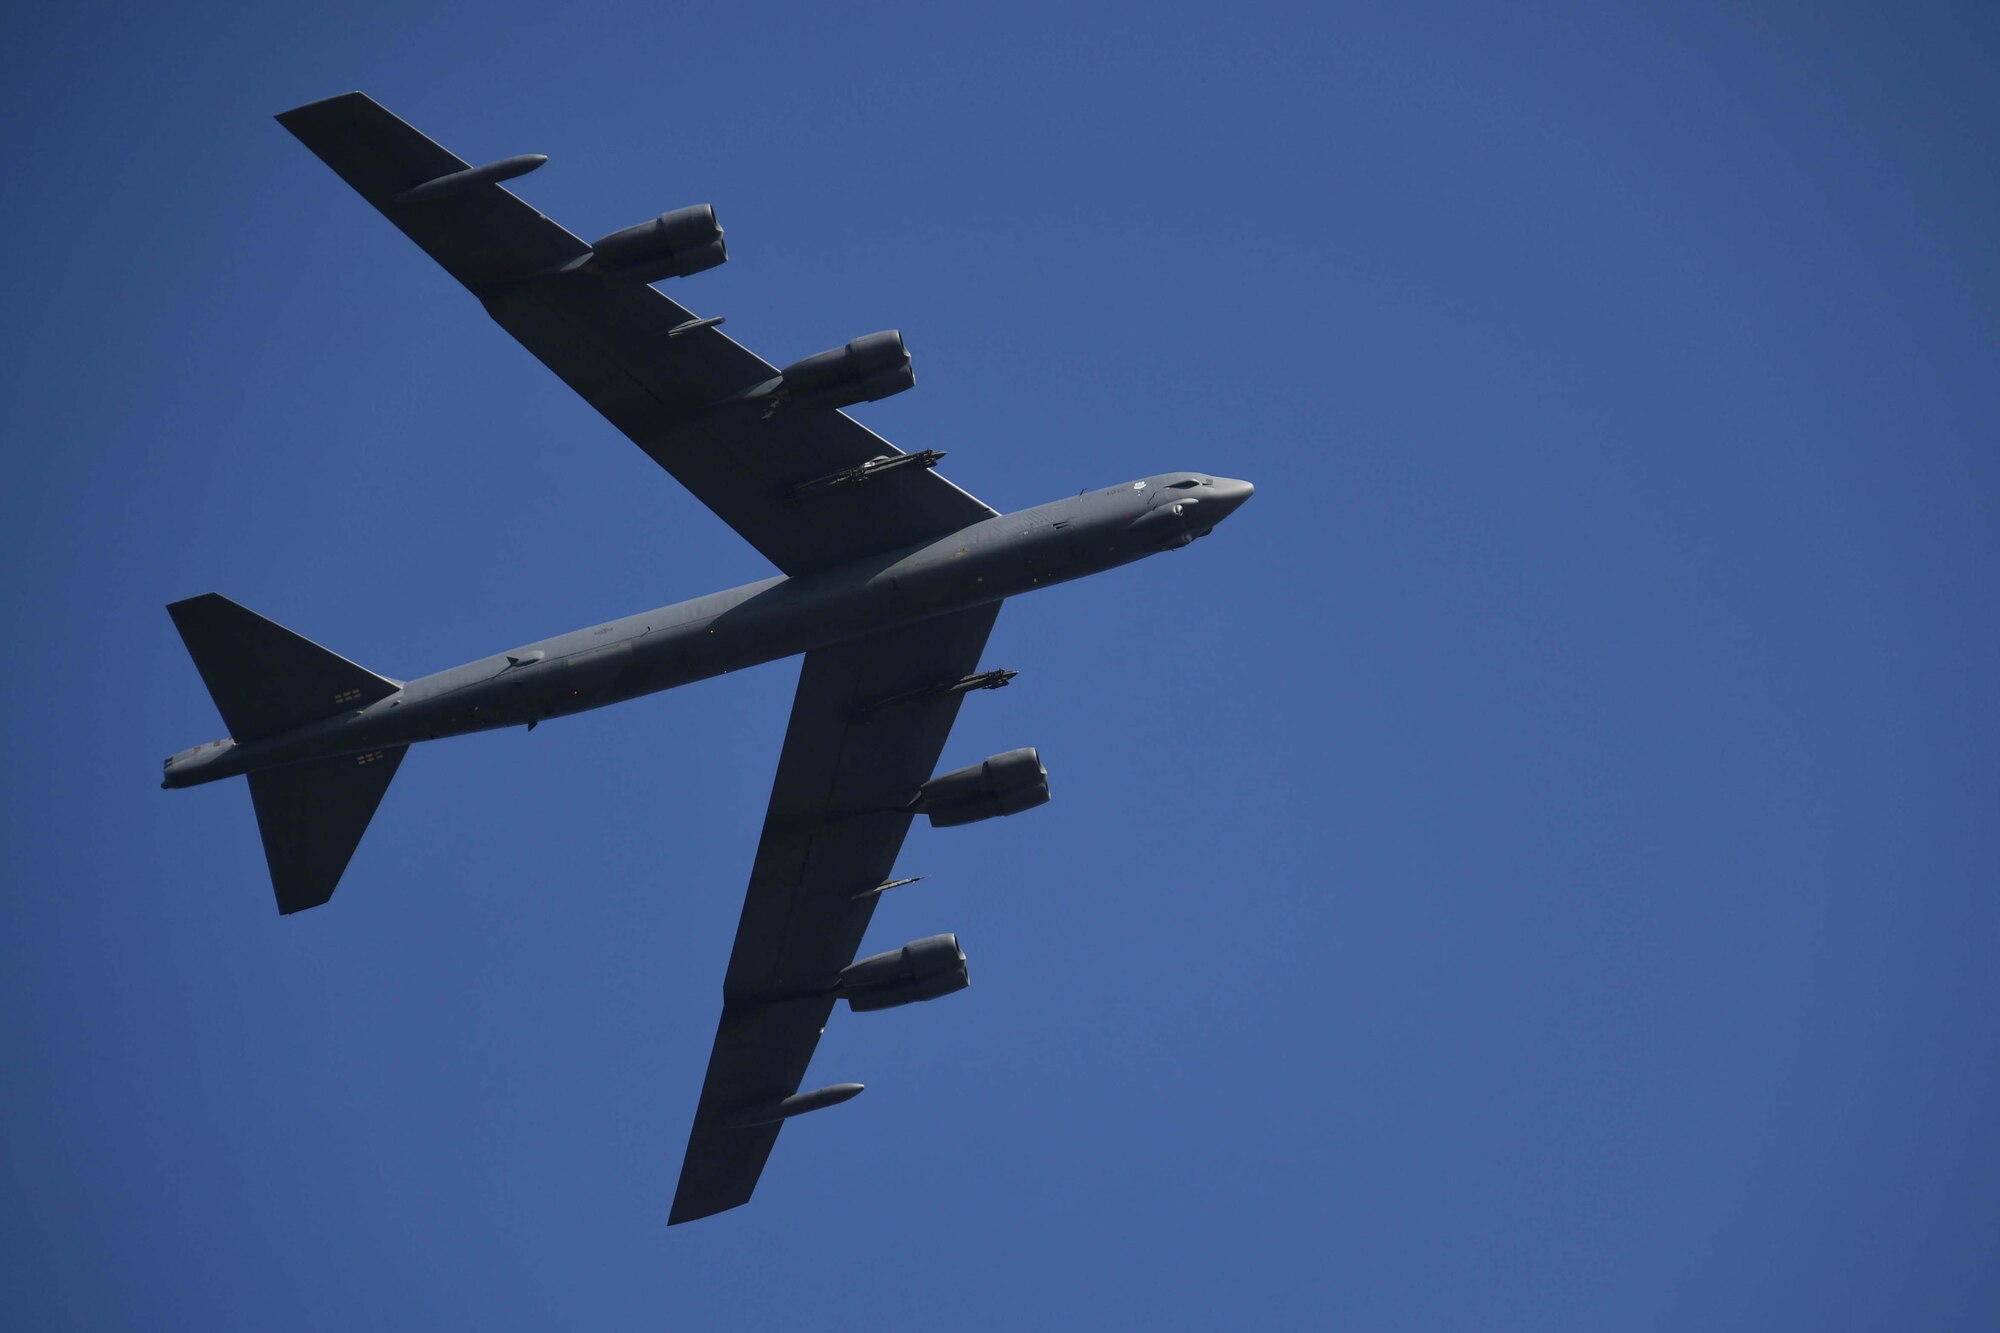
(1183, 485)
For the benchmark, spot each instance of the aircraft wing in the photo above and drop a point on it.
(868, 723)
(674, 387)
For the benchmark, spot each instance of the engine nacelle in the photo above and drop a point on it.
(863, 371)
(672, 245)
(1006, 784)
(920, 970)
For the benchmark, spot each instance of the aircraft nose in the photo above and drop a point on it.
(1230, 494)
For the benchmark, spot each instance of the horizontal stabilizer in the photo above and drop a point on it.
(312, 817)
(264, 678)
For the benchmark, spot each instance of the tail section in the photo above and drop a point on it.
(264, 678)
(312, 817)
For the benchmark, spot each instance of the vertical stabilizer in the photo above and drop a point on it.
(265, 681)
(264, 678)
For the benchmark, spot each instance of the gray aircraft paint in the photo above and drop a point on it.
(758, 622)
(892, 578)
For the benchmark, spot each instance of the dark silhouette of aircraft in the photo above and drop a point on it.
(891, 579)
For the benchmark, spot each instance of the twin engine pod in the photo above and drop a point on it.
(1006, 784)
(872, 367)
(687, 241)
(672, 245)
(920, 970)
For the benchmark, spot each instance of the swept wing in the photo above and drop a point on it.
(677, 395)
(870, 716)
(838, 814)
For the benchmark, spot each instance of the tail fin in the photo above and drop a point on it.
(264, 678)
(312, 817)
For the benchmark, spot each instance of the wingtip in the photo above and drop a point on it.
(286, 117)
(681, 1216)
(692, 1202)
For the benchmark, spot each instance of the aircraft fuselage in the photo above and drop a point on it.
(758, 622)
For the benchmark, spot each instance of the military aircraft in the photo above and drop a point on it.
(890, 581)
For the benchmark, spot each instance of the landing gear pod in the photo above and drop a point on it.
(458, 182)
(1006, 784)
(769, 1113)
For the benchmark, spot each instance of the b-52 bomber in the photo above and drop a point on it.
(890, 579)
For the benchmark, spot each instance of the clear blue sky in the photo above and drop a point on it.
(1535, 867)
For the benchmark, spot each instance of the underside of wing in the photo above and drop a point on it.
(868, 723)
(770, 452)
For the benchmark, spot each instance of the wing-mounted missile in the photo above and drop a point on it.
(884, 887)
(872, 367)
(861, 474)
(920, 970)
(672, 245)
(1006, 784)
(694, 326)
(996, 679)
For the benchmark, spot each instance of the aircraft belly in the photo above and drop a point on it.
(678, 645)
